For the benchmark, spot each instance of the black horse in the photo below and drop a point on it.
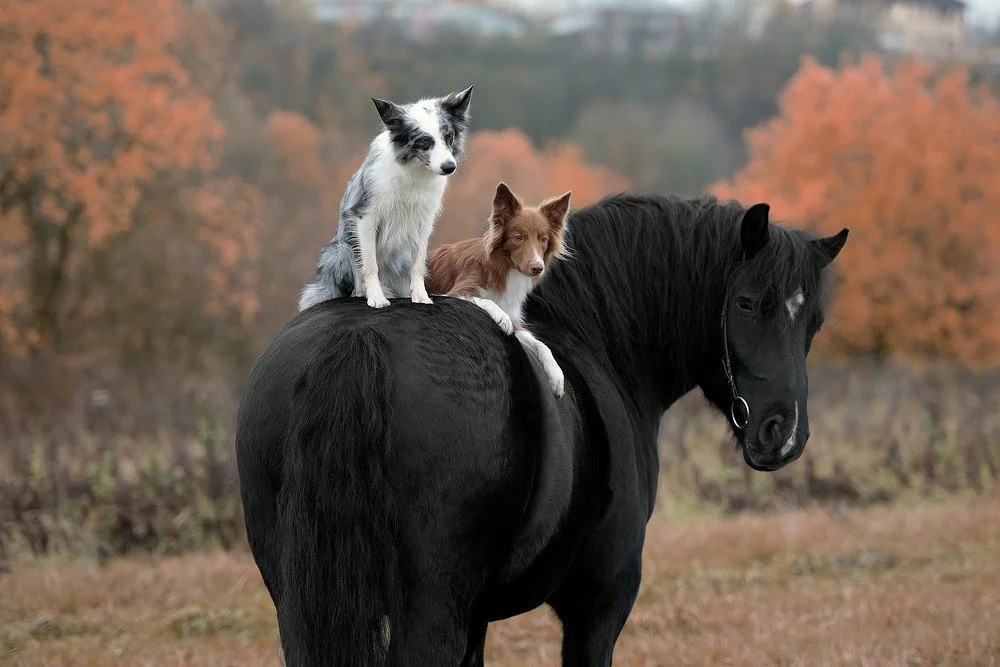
(407, 477)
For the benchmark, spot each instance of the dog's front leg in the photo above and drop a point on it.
(543, 354)
(496, 312)
(367, 239)
(418, 270)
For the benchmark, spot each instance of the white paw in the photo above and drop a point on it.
(377, 301)
(503, 321)
(498, 314)
(556, 380)
(420, 298)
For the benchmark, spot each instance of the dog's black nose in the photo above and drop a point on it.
(448, 167)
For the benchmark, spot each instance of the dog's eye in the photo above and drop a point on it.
(518, 237)
(543, 238)
(745, 304)
(423, 143)
(448, 137)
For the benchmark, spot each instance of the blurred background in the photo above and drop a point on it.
(170, 168)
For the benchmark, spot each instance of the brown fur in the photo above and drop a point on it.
(514, 235)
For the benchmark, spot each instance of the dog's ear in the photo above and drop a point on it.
(458, 103)
(555, 211)
(506, 205)
(391, 113)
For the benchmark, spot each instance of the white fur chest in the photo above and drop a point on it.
(512, 300)
(406, 200)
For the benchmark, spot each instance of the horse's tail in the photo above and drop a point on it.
(340, 568)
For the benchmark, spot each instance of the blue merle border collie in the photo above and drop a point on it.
(391, 202)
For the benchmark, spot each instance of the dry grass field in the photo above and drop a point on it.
(887, 586)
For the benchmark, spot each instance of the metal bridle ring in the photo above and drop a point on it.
(739, 400)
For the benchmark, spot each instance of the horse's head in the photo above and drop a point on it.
(774, 305)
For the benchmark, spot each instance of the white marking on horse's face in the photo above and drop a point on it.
(794, 303)
(790, 443)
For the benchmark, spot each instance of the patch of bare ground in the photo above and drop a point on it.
(887, 586)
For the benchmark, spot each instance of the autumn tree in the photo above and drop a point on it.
(288, 61)
(910, 163)
(103, 130)
(534, 174)
(304, 169)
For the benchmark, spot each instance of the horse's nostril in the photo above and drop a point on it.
(770, 430)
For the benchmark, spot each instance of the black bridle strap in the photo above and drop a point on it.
(738, 401)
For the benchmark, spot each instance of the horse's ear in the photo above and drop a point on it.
(754, 229)
(390, 112)
(829, 247)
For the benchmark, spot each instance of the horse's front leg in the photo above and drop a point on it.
(593, 612)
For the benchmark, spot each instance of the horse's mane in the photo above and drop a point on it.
(616, 247)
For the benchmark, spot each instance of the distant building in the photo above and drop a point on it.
(360, 12)
(468, 18)
(421, 19)
(548, 9)
(647, 28)
(932, 29)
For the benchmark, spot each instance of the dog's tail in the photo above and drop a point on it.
(334, 275)
(340, 562)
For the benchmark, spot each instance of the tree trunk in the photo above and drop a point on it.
(50, 248)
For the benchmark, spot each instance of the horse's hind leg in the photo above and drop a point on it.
(430, 632)
(260, 515)
(474, 652)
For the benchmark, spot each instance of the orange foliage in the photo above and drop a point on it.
(911, 165)
(509, 156)
(304, 154)
(297, 141)
(95, 108)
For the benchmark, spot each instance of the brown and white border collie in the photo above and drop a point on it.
(499, 270)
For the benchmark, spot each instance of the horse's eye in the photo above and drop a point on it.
(745, 304)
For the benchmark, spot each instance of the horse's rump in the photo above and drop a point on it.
(481, 452)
